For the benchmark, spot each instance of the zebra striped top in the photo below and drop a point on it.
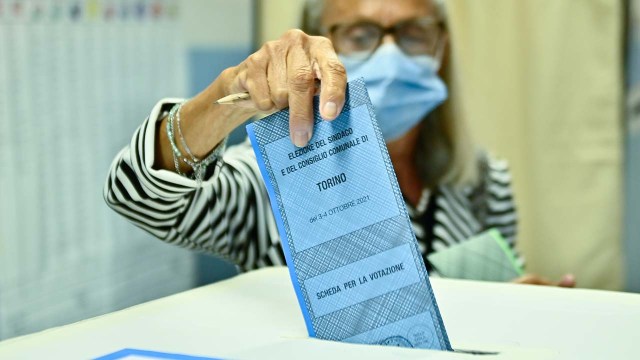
(229, 214)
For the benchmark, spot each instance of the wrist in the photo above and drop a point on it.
(227, 117)
(206, 123)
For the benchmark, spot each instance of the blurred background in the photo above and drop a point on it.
(551, 86)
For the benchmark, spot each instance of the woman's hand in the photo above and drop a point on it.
(567, 281)
(284, 72)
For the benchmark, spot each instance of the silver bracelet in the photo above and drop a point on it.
(199, 166)
(184, 143)
(175, 151)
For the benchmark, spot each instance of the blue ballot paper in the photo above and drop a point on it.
(346, 235)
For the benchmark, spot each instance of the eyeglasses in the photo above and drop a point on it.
(419, 36)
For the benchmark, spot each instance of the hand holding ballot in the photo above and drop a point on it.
(283, 74)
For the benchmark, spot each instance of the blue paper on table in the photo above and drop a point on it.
(352, 255)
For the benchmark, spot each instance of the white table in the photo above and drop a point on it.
(256, 315)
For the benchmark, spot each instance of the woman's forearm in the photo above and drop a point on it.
(203, 123)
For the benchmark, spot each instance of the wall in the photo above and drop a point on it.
(540, 83)
(278, 16)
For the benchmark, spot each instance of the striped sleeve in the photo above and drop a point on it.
(501, 210)
(227, 215)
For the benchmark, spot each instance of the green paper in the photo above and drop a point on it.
(486, 256)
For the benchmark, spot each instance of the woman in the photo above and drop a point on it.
(213, 199)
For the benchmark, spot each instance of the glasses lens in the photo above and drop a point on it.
(356, 38)
(418, 37)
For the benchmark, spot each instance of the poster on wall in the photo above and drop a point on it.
(76, 79)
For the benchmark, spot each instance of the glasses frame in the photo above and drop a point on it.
(393, 30)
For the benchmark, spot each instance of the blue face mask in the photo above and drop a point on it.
(403, 89)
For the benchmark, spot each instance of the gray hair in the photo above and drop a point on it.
(312, 16)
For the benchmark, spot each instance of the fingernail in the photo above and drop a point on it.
(301, 138)
(330, 109)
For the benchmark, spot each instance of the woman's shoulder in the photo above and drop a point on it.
(493, 169)
(493, 194)
(492, 183)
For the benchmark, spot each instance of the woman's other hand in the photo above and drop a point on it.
(567, 281)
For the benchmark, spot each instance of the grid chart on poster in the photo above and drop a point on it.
(76, 79)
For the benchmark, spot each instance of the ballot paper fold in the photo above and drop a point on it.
(352, 255)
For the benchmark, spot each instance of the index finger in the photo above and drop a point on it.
(301, 89)
(333, 77)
